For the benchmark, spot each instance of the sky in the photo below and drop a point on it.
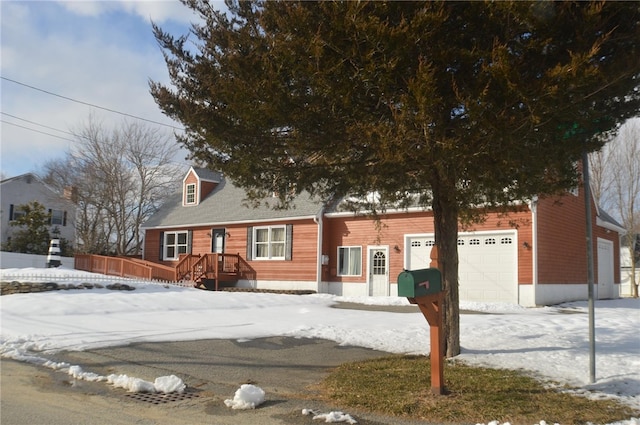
(101, 53)
(550, 342)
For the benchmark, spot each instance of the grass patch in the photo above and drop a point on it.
(401, 386)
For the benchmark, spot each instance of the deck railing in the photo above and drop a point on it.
(215, 265)
(190, 267)
(124, 267)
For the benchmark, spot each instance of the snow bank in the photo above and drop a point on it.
(163, 384)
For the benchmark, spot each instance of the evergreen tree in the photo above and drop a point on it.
(463, 103)
(33, 236)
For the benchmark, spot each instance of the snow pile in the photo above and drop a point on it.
(331, 417)
(163, 384)
(246, 397)
(550, 343)
(169, 384)
(77, 373)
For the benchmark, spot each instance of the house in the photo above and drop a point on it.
(312, 246)
(26, 188)
(626, 263)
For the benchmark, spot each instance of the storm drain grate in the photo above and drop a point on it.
(161, 398)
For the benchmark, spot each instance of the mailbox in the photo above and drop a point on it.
(416, 283)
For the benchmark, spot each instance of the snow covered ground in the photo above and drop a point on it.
(551, 342)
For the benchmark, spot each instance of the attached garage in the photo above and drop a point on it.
(488, 268)
(532, 255)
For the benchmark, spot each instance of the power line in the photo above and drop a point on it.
(35, 123)
(37, 131)
(92, 105)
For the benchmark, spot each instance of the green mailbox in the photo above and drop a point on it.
(416, 283)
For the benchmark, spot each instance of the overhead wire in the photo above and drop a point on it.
(91, 104)
(37, 131)
(34, 123)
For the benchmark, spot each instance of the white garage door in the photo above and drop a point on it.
(488, 269)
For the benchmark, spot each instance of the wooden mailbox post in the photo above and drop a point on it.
(424, 288)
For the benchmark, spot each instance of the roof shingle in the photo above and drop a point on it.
(226, 204)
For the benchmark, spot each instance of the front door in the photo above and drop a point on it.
(378, 271)
(217, 240)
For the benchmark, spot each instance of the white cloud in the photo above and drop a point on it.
(88, 8)
(102, 53)
(163, 11)
(158, 10)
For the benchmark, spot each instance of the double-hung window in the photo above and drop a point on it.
(175, 243)
(349, 261)
(16, 212)
(190, 196)
(58, 217)
(269, 242)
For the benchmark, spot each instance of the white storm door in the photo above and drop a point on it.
(605, 269)
(378, 266)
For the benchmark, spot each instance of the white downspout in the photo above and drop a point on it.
(318, 220)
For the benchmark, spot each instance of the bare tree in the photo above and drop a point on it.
(92, 222)
(625, 187)
(119, 176)
(616, 185)
(599, 183)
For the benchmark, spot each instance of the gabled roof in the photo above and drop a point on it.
(603, 219)
(228, 204)
(29, 178)
(206, 174)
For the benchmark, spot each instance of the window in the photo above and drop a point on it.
(190, 197)
(58, 217)
(16, 213)
(490, 241)
(349, 261)
(269, 243)
(175, 243)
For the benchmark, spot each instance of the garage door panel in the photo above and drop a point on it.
(487, 265)
(420, 253)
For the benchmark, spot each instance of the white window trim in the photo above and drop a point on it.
(349, 247)
(175, 245)
(254, 247)
(187, 194)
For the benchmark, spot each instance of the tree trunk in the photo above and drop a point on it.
(445, 215)
(632, 275)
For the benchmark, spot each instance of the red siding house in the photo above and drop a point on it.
(540, 261)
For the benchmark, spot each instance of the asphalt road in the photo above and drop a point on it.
(285, 368)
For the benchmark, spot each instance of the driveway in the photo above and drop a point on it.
(285, 368)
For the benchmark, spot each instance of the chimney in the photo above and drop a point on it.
(71, 193)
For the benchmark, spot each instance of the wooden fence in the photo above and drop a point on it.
(220, 267)
(125, 267)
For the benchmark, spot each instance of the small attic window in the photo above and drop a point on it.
(190, 196)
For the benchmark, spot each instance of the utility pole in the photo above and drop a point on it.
(590, 278)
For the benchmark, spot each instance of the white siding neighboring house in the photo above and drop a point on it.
(625, 267)
(25, 188)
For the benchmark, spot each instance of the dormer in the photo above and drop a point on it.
(197, 184)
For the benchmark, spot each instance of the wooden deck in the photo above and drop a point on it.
(210, 271)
